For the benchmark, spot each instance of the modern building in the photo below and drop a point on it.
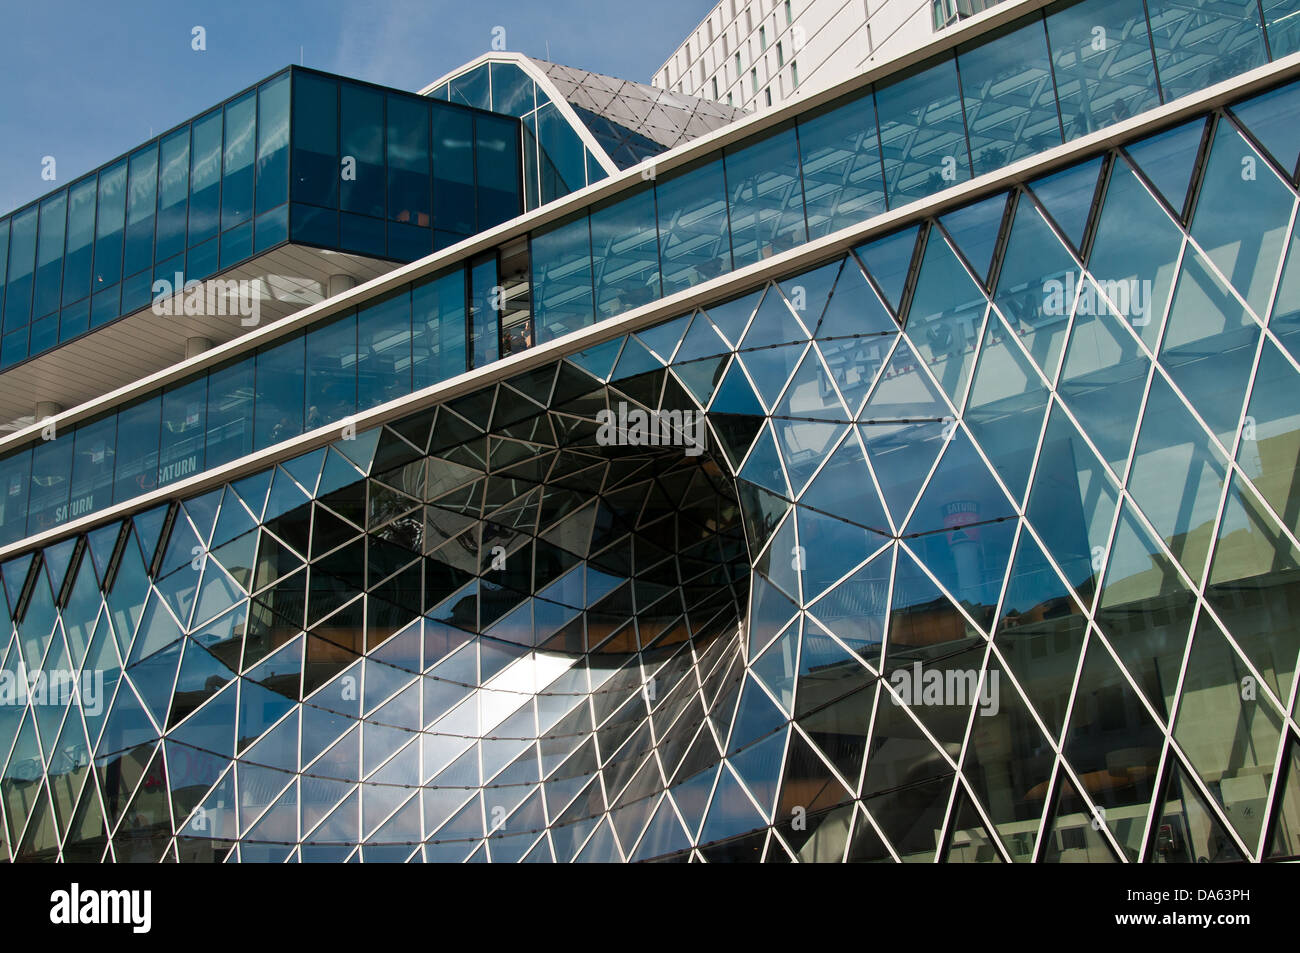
(905, 473)
(754, 54)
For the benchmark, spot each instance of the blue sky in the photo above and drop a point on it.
(87, 81)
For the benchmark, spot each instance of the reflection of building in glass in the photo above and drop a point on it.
(369, 586)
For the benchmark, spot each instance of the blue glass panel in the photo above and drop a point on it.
(205, 179)
(331, 371)
(272, 143)
(840, 157)
(484, 324)
(236, 245)
(1200, 42)
(136, 471)
(363, 234)
(1283, 27)
(409, 181)
(922, 133)
(278, 411)
(142, 201)
(1101, 54)
(315, 140)
(471, 89)
(766, 198)
(173, 193)
(361, 139)
(694, 243)
(625, 253)
(384, 350)
(438, 311)
(562, 291)
(314, 226)
(230, 413)
(184, 425)
(49, 256)
(1006, 84)
(512, 90)
(496, 164)
(271, 228)
(15, 482)
(22, 262)
(81, 235)
(74, 320)
(453, 173)
(562, 167)
(51, 479)
(237, 166)
(94, 451)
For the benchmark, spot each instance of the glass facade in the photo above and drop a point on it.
(973, 543)
(556, 161)
(218, 190)
(958, 547)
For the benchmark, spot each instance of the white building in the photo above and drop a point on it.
(757, 53)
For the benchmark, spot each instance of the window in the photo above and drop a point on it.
(789, 17)
(794, 74)
(767, 95)
(753, 82)
(739, 69)
(762, 38)
(780, 55)
(715, 87)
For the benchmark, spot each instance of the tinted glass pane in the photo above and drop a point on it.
(512, 90)
(49, 255)
(278, 411)
(1283, 27)
(240, 151)
(108, 228)
(453, 170)
(92, 466)
(1200, 42)
(384, 350)
(230, 413)
(1101, 53)
(142, 199)
(173, 193)
(496, 160)
(694, 245)
(205, 178)
(766, 198)
(184, 424)
(1010, 105)
(409, 182)
(137, 449)
(15, 480)
(361, 139)
(625, 253)
(922, 134)
(562, 166)
(332, 371)
(51, 470)
(273, 143)
(315, 140)
(438, 311)
(22, 258)
(562, 279)
(484, 323)
(841, 166)
(471, 89)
